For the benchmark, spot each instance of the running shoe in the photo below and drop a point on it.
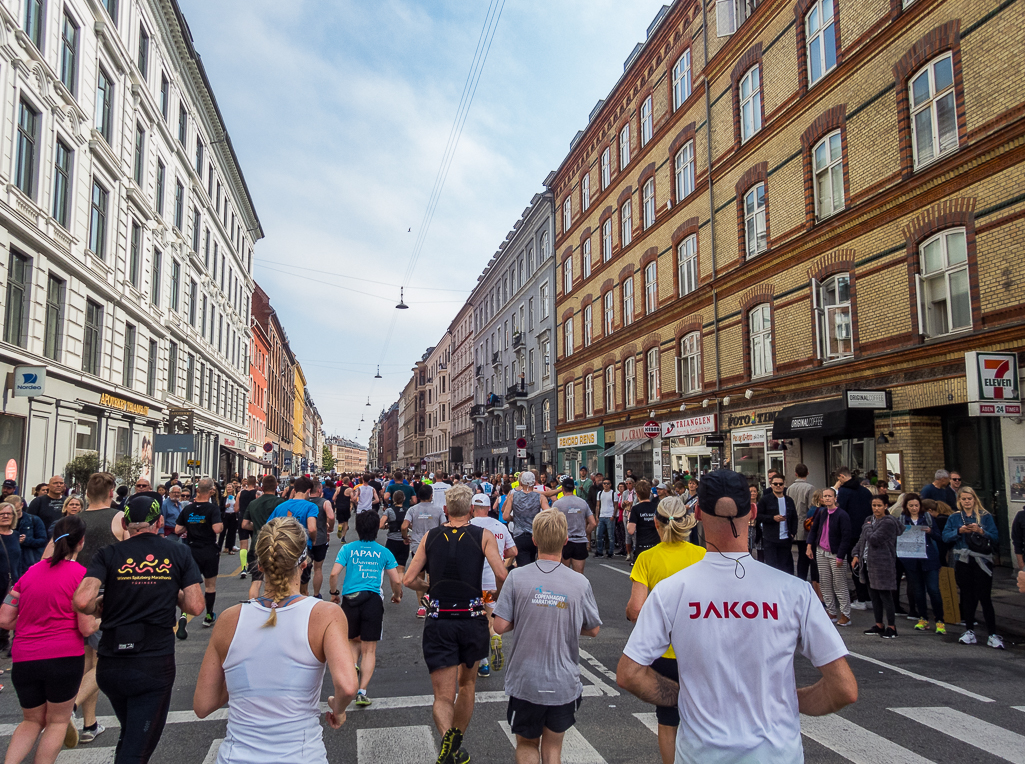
(71, 735)
(181, 632)
(856, 605)
(993, 641)
(450, 743)
(497, 656)
(461, 757)
(484, 669)
(421, 612)
(88, 734)
(242, 575)
(362, 699)
(941, 628)
(968, 638)
(922, 625)
(890, 633)
(876, 629)
(208, 621)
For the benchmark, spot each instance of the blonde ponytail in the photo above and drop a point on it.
(280, 550)
(672, 521)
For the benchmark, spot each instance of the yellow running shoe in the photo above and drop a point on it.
(941, 628)
(922, 625)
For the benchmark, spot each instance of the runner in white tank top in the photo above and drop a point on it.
(366, 498)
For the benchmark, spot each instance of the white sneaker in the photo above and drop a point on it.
(968, 638)
(995, 641)
(859, 605)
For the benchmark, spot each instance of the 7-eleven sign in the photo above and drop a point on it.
(992, 376)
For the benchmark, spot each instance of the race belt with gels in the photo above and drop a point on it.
(451, 609)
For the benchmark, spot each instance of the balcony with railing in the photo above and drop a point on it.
(516, 392)
(493, 402)
(518, 340)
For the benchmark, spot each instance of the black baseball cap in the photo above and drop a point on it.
(568, 484)
(143, 507)
(724, 484)
(10, 484)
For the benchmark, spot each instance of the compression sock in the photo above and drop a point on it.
(210, 597)
(242, 555)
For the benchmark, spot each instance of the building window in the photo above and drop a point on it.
(585, 255)
(646, 121)
(568, 337)
(687, 262)
(585, 191)
(628, 301)
(105, 105)
(609, 312)
(933, 111)
(34, 22)
(588, 325)
(653, 374)
(179, 204)
(199, 156)
(760, 323)
(944, 300)
(630, 381)
(154, 278)
(176, 277)
(624, 146)
(681, 80)
(193, 299)
(98, 220)
(589, 395)
(172, 368)
(648, 199)
(151, 369)
(190, 377)
(183, 124)
(111, 6)
(571, 402)
(821, 36)
(139, 162)
(610, 388)
(128, 365)
(750, 104)
(828, 168)
(69, 53)
(684, 164)
(606, 168)
(17, 291)
(543, 298)
(546, 359)
(62, 184)
(161, 179)
(606, 240)
(143, 51)
(626, 223)
(567, 275)
(165, 96)
(689, 371)
(195, 229)
(546, 416)
(530, 367)
(546, 249)
(651, 287)
(91, 338)
(755, 236)
(28, 139)
(134, 252)
(567, 213)
(831, 300)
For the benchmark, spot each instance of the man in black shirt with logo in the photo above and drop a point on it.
(201, 521)
(143, 579)
(49, 506)
(642, 519)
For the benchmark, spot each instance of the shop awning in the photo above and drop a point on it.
(244, 454)
(622, 448)
(824, 419)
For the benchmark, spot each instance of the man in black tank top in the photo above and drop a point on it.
(456, 635)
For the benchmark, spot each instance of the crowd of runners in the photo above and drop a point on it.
(100, 587)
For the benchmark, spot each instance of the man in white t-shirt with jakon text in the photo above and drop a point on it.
(740, 622)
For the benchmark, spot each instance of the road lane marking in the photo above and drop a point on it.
(111, 722)
(396, 745)
(86, 756)
(211, 755)
(597, 664)
(610, 691)
(648, 720)
(575, 748)
(1007, 745)
(854, 743)
(919, 677)
(618, 570)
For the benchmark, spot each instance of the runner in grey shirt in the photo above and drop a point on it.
(522, 507)
(550, 607)
(580, 520)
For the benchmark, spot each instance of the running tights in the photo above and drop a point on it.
(882, 599)
(139, 689)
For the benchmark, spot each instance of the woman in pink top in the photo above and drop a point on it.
(48, 648)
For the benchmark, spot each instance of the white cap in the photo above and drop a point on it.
(431, 476)
(527, 478)
(481, 500)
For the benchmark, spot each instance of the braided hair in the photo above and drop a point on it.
(281, 549)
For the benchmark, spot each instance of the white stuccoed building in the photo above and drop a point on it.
(126, 239)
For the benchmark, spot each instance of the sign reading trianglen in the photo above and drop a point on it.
(652, 428)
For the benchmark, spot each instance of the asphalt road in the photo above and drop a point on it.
(923, 698)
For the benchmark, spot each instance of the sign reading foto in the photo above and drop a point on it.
(992, 376)
(29, 381)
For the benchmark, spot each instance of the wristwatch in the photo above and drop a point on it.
(334, 594)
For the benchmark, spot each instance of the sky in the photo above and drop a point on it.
(339, 112)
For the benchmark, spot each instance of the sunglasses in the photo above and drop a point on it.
(779, 483)
(955, 480)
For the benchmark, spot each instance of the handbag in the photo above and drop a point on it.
(979, 543)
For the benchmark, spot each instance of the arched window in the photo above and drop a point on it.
(681, 80)
(630, 381)
(646, 121)
(648, 202)
(546, 416)
(750, 104)
(820, 34)
(687, 262)
(827, 158)
(760, 323)
(609, 312)
(571, 402)
(832, 302)
(690, 364)
(589, 395)
(755, 235)
(944, 298)
(610, 388)
(933, 111)
(684, 171)
(626, 223)
(653, 374)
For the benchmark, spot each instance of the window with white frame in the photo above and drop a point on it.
(750, 103)
(689, 371)
(944, 299)
(546, 359)
(651, 287)
(585, 191)
(546, 247)
(648, 200)
(933, 111)
(589, 395)
(567, 275)
(831, 300)
(827, 158)
(755, 236)
(530, 367)
(681, 80)
(610, 388)
(646, 121)
(609, 312)
(606, 168)
(626, 223)
(568, 337)
(544, 299)
(567, 213)
(628, 301)
(571, 401)
(546, 416)
(684, 171)
(630, 381)
(821, 40)
(624, 146)
(588, 325)
(653, 374)
(585, 254)
(606, 240)
(760, 324)
(687, 262)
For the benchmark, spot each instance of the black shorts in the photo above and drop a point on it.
(343, 514)
(455, 641)
(365, 613)
(398, 548)
(319, 552)
(574, 550)
(529, 720)
(254, 567)
(244, 535)
(667, 716)
(208, 559)
(307, 574)
(52, 680)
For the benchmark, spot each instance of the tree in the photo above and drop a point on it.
(79, 469)
(327, 460)
(127, 469)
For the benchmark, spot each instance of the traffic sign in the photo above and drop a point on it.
(268, 447)
(521, 453)
(652, 428)
(715, 441)
(521, 443)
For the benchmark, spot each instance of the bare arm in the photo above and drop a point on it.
(590, 632)
(638, 596)
(338, 657)
(494, 559)
(646, 684)
(117, 527)
(191, 600)
(837, 688)
(216, 527)
(590, 525)
(503, 626)
(411, 579)
(86, 595)
(329, 511)
(247, 525)
(311, 526)
(544, 502)
(396, 585)
(631, 528)
(332, 583)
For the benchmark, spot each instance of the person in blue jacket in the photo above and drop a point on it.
(32, 528)
(974, 533)
(924, 574)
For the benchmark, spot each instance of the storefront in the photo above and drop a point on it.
(751, 448)
(685, 447)
(634, 453)
(581, 449)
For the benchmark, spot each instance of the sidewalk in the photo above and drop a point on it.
(1007, 602)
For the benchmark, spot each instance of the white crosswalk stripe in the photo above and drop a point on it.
(648, 720)
(211, 755)
(854, 743)
(396, 745)
(997, 741)
(86, 756)
(575, 748)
